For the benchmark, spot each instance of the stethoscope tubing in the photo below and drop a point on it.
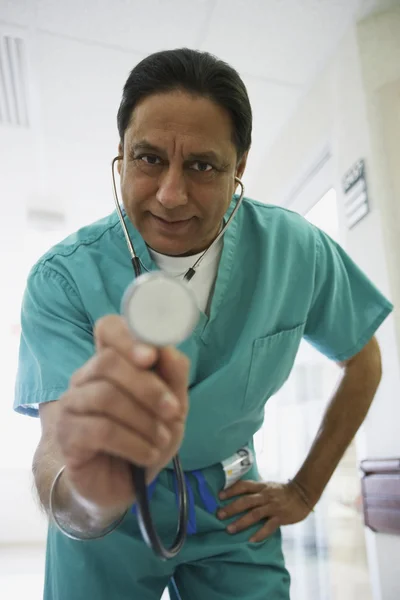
(145, 520)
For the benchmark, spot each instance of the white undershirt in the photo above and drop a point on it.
(203, 281)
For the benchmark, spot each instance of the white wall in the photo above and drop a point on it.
(354, 108)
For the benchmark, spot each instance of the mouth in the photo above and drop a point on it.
(171, 221)
(172, 225)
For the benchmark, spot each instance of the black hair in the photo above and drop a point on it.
(198, 73)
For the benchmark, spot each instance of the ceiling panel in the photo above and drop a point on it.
(285, 40)
(17, 12)
(132, 24)
(80, 87)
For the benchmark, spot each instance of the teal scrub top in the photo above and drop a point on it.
(280, 279)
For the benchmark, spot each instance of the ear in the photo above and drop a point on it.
(121, 154)
(240, 167)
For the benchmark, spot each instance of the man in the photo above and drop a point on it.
(106, 401)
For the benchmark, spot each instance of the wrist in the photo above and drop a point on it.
(76, 516)
(312, 481)
(303, 493)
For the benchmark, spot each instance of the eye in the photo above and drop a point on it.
(149, 159)
(202, 167)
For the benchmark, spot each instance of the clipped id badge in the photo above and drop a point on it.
(237, 465)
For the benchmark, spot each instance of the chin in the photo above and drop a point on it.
(173, 245)
(170, 247)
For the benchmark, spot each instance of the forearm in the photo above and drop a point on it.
(343, 417)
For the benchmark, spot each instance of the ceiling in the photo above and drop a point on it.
(80, 53)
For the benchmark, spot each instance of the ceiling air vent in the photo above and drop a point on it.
(13, 82)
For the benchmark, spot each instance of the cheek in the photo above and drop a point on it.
(217, 197)
(223, 199)
(136, 188)
(213, 213)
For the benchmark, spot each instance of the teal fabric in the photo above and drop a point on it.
(213, 564)
(280, 279)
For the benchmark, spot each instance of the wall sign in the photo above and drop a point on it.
(356, 204)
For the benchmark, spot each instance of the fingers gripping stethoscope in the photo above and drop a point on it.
(161, 310)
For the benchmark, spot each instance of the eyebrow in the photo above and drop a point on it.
(144, 146)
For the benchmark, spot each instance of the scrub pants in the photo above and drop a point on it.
(213, 564)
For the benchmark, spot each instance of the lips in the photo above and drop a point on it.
(168, 227)
(169, 222)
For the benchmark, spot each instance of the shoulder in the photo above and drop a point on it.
(78, 246)
(275, 214)
(83, 239)
(279, 222)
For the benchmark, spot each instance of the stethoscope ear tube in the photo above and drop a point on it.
(146, 525)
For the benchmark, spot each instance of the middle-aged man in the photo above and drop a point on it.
(105, 401)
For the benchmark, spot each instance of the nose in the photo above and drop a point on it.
(172, 190)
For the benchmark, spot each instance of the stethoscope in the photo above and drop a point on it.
(161, 310)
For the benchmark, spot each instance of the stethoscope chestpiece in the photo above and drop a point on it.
(160, 310)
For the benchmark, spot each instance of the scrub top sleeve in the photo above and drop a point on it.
(56, 339)
(346, 308)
